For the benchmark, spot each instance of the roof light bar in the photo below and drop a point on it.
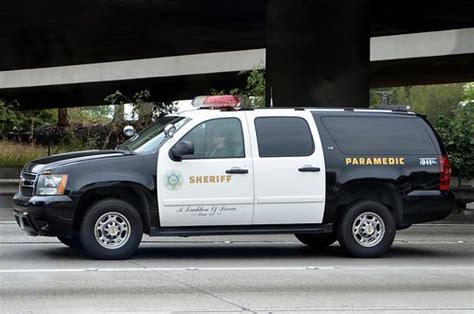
(216, 102)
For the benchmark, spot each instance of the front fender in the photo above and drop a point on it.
(136, 194)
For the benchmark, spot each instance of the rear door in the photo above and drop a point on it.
(289, 167)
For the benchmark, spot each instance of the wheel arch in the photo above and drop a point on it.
(133, 193)
(384, 192)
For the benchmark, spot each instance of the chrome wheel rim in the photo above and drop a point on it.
(112, 230)
(368, 229)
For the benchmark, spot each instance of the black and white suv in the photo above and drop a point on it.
(355, 176)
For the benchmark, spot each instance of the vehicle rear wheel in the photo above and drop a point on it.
(366, 229)
(111, 229)
(317, 241)
(71, 241)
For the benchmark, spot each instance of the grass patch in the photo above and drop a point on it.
(16, 155)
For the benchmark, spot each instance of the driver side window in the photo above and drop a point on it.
(217, 138)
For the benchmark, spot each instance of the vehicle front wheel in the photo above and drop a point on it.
(71, 241)
(111, 229)
(366, 229)
(317, 241)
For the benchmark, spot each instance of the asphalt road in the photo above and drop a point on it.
(430, 268)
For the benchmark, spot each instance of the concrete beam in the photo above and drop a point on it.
(422, 45)
(419, 45)
(196, 64)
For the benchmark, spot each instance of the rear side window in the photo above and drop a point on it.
(283, 137)
(379, 135)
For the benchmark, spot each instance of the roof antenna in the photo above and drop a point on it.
(271, 97)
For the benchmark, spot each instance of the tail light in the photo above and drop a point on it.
(444, 173)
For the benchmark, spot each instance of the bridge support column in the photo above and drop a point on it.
(318, 53)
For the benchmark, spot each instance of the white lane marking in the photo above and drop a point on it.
(149, 242)
(165, 242)
(431, 242)
(444, 225)
(336, 309)
(363, 309)
(165, 269)
(231, 269)
(171, 242)
(467, 225)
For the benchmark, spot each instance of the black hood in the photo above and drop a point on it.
(51, 162)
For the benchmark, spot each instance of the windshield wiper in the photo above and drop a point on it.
(124, 148)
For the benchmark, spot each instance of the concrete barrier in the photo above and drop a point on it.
(9, 173)
(8, 187)
(9, 181)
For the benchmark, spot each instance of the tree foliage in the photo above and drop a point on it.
(468, 89)
(14, 120)
(430, 100)
(8, 117)
(436, 100)
(144, 109)
(91, 115)
(255, 88)
(458, 137)
(457, 131)
(253, 94)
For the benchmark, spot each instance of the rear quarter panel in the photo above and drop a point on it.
(408, 173)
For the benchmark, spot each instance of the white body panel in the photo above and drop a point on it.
(272, 192)
(284, 195)
(226, 202)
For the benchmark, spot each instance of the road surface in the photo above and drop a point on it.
(430, 268)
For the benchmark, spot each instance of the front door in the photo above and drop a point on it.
(213, 186)
(290, 176)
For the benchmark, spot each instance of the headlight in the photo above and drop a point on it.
(51, 184)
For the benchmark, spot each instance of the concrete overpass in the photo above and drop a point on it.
(317, 52)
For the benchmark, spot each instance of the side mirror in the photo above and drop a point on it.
(169, 130)
(129, 131)
(181, 149)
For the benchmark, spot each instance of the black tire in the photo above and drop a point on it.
(126, 218)
(352, 242)
(317, 241)
(71, 241)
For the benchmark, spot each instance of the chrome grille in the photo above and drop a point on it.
(27, 184)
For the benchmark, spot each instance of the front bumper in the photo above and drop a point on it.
(44, 215)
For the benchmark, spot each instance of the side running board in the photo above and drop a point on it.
(252, 229)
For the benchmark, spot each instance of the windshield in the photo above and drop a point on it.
(150, 138)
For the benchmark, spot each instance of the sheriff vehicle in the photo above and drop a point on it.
(349, 175)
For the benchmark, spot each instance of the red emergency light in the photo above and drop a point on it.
(216, 102)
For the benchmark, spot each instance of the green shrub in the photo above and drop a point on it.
(458, 137)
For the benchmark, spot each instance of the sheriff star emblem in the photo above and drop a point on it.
(173, 180)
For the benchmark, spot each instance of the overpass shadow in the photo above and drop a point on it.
(278, 251)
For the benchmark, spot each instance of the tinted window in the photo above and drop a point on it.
(283, 137)
(219, 138)
(379, 135)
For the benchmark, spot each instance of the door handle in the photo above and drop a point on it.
(309, 169)
(237, 171)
